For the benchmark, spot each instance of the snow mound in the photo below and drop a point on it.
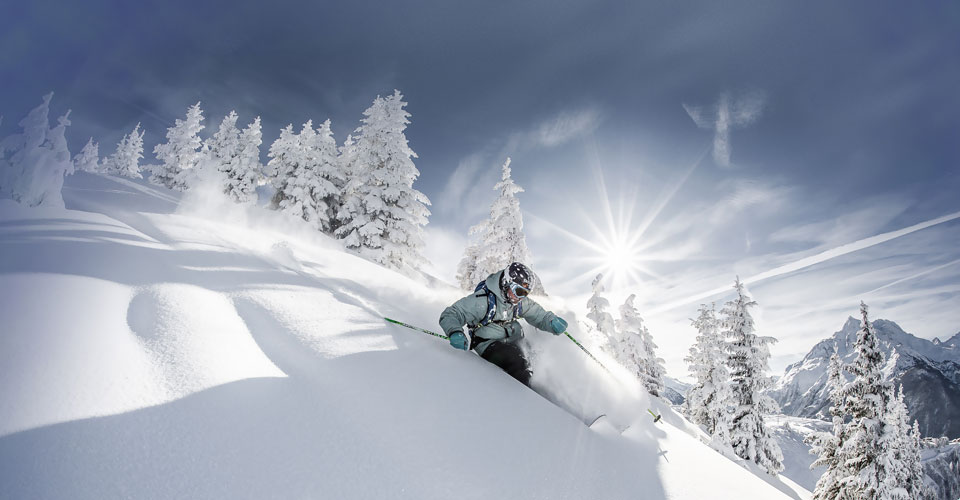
(150, 351)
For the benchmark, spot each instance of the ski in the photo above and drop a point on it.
(596, 419)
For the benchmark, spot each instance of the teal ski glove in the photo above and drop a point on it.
(459, 341)
(559, 325)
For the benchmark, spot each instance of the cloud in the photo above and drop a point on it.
(746, 194)
(875, 214)
(559, 129)
(463, 178)
(567, 126)
(727, 113)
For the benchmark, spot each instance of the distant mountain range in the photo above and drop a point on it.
(674, 390)
(928, 370)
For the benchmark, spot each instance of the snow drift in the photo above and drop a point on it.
(154, 347)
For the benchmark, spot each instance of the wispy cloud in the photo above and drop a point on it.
(745, 194)
(461, 183)
(816, 259)
(567, 126)
(559, 129)
(728, 112)
(875, 214)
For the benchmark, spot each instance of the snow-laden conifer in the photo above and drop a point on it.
(900, 454)
(37, 159)
(245, 174)
(306, 168)
(181, 153)
(220, 151)
(88, 159)
(636, 350)
(825, 444)
(500, 238)
(326, 161)
(125, 160)
(382, 214)
(469, 273)
(284, 153)
(865, 399)
(604, 327)
(233, 158)
(351, 173)
(916, 484)
(708, 401)
(747, 357)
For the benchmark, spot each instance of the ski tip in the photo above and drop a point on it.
(595, 420)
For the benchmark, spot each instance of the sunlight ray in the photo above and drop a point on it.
(668, 195)
(573, 237)
(591, 273)
(602, 186)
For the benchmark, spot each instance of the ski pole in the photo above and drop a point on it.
(416, 328)
(656, 418)
(584, 349)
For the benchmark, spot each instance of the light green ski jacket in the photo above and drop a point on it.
(470, 310)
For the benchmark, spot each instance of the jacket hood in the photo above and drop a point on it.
(493, 284)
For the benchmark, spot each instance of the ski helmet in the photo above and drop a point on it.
(518, 278)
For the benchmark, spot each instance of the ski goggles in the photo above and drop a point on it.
(519, 290)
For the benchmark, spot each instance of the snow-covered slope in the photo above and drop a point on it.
(928, 371)
(154, 347)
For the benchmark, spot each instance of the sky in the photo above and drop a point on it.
(810, 148)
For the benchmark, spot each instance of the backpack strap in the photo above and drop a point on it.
(491, 303)
(482, 289)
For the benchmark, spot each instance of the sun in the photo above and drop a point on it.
(616, 246)
(619, 258)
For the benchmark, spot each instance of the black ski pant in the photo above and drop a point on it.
(509, 357)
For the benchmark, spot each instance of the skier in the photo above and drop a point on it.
(490, 316)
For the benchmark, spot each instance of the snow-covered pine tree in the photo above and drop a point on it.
(747, 357)
(220, 152)
(383, 215)
(604, 326)
(88, 159)
(125, 160)
(235, 157)
(329, 192)
(291, 175)
(469, 273)
(36, 160)
(916, 485)
(181, 153)
(309, 160)
(351, 173)
(865, 399)
(826, 444)
(283, 154)
(500, 239)
(245, 174)
(635, 348)
(900, 454)
(707, 403)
